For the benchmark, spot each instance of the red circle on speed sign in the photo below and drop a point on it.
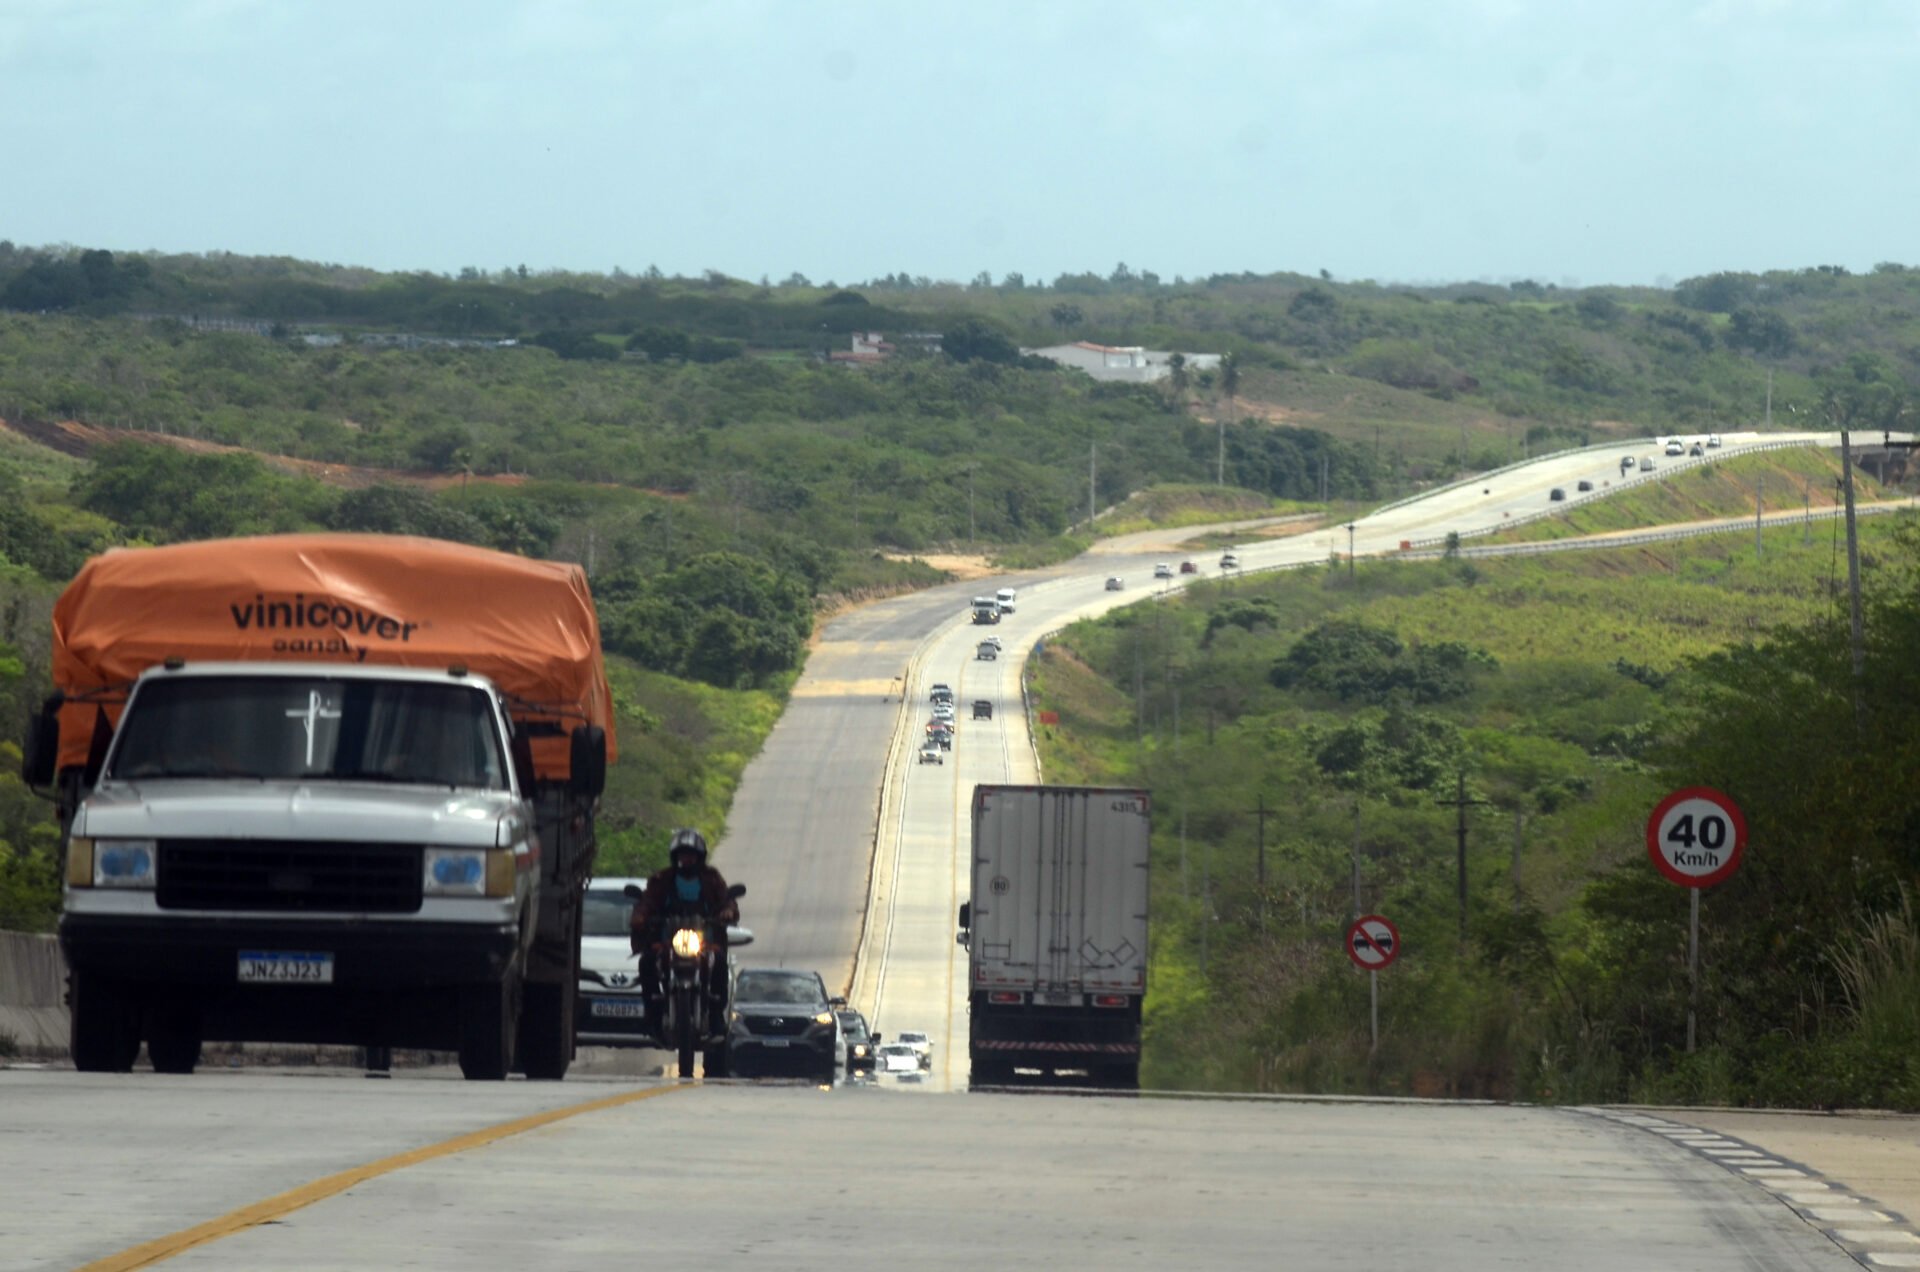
(1373, 942)
(1696, 836)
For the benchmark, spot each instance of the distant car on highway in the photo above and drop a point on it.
(930, 753)
(1675, 446)
(1557, 494)
(1584, 486)
(899, 1060)
(987, 651)
(940, 693)
(940, 733)
(1114, 584)
(1005, 597)
(1228, 561)
(1162, 570)
(982, 709)
(1646, 463)
(861, 1046)
(1713, 441)
(1696, 450)
(921, 1044)
(1188, 567)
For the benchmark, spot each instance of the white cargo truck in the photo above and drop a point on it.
(1056, 933)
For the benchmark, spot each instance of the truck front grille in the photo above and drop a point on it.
(297, 875)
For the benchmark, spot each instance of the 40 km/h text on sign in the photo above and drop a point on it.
(1696, 836)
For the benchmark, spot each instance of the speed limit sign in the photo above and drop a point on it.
(1695, 837)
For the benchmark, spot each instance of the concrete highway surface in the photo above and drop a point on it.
(323, 1169)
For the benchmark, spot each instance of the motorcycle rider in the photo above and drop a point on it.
(687, 881)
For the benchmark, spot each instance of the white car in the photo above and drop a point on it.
(1114, 584)
(609, 1012)
(920, 1044)
(1228, 561)
(1162, 570)
(1675, 446)
(899, 1059)
(1713, 441)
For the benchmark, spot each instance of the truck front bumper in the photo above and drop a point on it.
(183, 951)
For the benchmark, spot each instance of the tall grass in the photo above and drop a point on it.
(1879, 972)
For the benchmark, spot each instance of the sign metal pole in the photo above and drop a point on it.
(1374, 977)
(1693, 962)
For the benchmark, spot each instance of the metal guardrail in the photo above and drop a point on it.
(1734, 525)
(1470, 478)
(1683, 464)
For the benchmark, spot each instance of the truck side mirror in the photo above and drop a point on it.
(41, 754)
(587, 762)
(966, 915)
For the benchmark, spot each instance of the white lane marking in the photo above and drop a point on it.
(1840, 1214)
(1773, 1172)
(1876, 1236)
(1893, 1260)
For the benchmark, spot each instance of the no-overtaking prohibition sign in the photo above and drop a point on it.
(1372, 942)
(1695, 837)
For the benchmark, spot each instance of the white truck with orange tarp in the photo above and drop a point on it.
(325, 789)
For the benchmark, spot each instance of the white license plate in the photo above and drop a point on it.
(1058, 1000)
(775, 1042)
(610, 1007)
(283, 967)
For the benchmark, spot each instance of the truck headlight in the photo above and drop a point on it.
(455, 872)
(824, 1018)
(121, 863)
(686, 943)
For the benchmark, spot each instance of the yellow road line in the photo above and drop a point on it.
(152, 1252)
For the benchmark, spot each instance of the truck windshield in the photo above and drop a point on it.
(283, 727)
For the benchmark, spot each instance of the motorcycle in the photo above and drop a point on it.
(686, 1021)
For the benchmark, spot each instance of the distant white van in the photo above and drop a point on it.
(1005, 598)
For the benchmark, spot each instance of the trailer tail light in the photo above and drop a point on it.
(1003, 996)
(1110, 1000)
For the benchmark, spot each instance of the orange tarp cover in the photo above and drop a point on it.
(529, 626)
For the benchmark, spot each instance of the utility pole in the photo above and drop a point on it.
(1460, 803)
(1349, 551)
(1769, 397)
(971, 469)
(1220, 459)
(1357, 911)
(1263, 812)
(1092, 447)
(1853, 571)
(1759, 502)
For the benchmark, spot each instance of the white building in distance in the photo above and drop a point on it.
(1126, 363)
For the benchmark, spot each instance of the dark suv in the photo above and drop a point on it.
(782, 1022)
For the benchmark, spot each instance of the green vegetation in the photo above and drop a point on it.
(1569, 692)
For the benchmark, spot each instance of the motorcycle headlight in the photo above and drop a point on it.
(687, 943)
(124, 863)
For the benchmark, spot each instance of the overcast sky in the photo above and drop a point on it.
(1402, 140)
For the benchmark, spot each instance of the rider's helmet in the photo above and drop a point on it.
(688, 851)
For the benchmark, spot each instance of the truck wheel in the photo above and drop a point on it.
(489, 1023)
(173, 1039)
(991, 1073)
(546, 1031)
(714, 1062)
(104, 1032)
